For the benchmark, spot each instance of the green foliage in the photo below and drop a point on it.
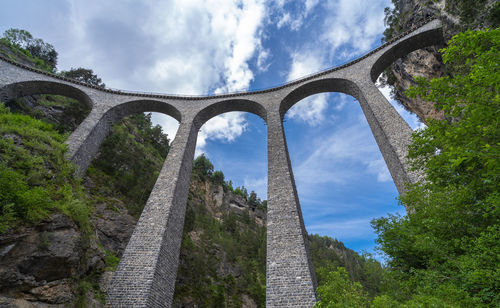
(45, 51)
(35, 178)
(446, 250)
(112, 261)
(202, 167)
(339, 290)
(15, 53)
(468, 9)
(217, 177)
(214, 248)
(18, 37)
(36, 48)
(494, 15)
(72, 112)
(329, 254)
(391, 20)
(129, 161)
(87, 287)
(84, 75)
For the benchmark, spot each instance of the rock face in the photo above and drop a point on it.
(38, 263)
(427, 62)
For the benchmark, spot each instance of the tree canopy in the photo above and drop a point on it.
(447, 247)
(84, 75)
(36, 47)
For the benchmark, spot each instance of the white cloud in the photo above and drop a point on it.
(225, 127)
(294, 19)
(207, 45)
(379, 168)
(310, 4)
(168, 124)
(262, 60)
(284, 20)
(303, 64)
(352, 24)
(310, 110)
(182, 47)
(292, 22)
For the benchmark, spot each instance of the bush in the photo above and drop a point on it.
(35, 178)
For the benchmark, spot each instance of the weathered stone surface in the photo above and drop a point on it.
(37, 261)
(423, 63)
(114, 225)
(54, 292)
(7, 302)
(147, 271)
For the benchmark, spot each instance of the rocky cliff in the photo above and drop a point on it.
(456, 15)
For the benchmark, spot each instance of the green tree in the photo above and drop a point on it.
(202, 167)
(217, 178)
(18, 37)
(36, 47)
(84, 75)
(253, 201)
(447, 247)
(340, 291)
(45, 51)
(129, 160)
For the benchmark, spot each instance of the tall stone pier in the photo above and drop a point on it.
(147, 272)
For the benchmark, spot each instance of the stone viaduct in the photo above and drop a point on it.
(146, 274)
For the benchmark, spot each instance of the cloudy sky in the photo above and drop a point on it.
(216, 46)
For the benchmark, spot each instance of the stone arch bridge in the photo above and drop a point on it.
(146, 274)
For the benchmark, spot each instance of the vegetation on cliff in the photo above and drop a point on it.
(21, 45)
(223, 253)
(35, 178)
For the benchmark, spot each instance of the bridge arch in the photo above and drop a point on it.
(423, 39)
(26, 88)
(229, 105)
(85, 141)
(316, 87)
(143, 105)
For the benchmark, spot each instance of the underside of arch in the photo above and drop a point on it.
(424, 39)
(26, 88)
(143, 105)
(316, 87)
(221, 107)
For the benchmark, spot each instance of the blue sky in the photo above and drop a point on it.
(208, 46)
